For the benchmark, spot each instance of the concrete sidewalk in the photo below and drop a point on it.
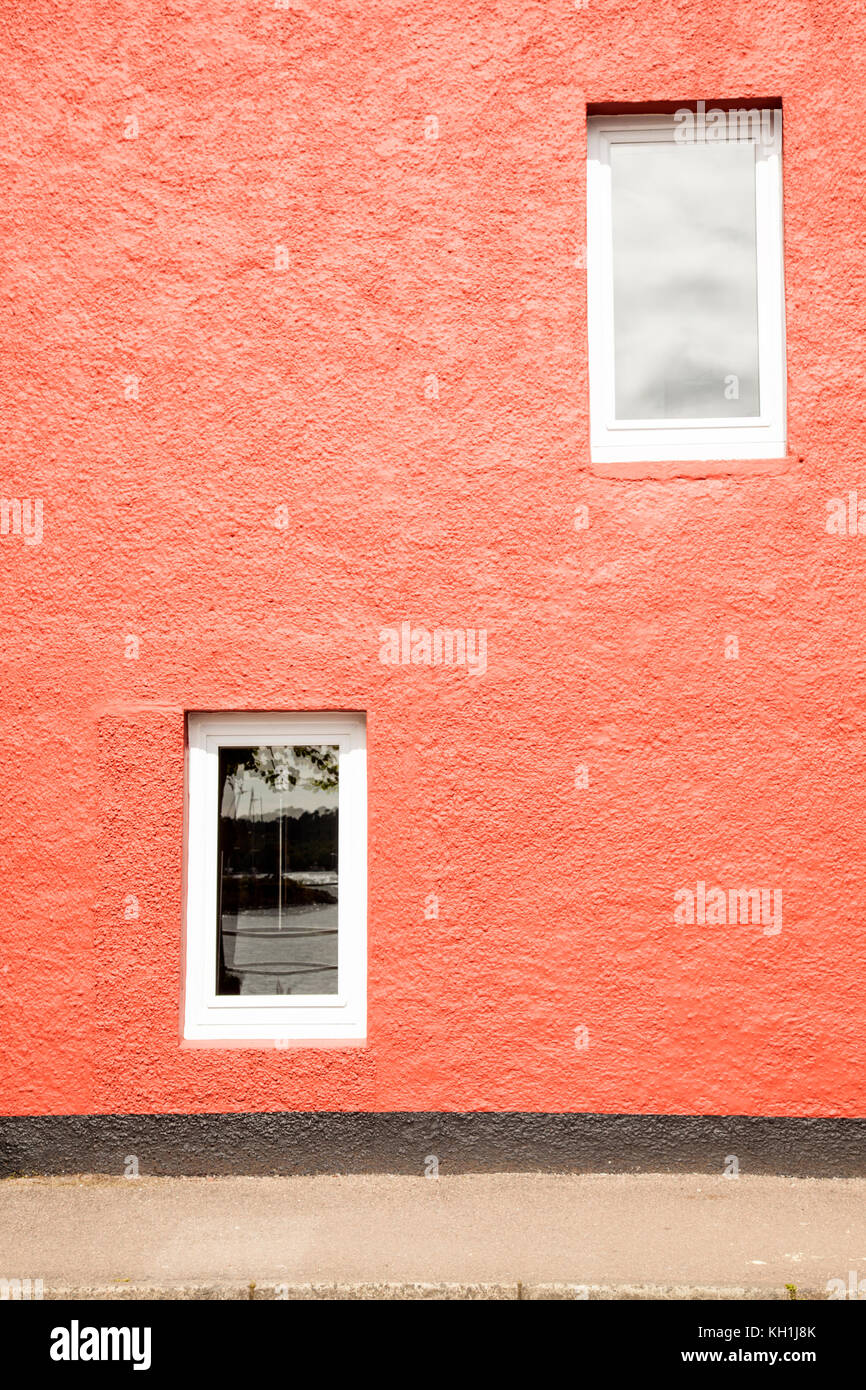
(487, 1236)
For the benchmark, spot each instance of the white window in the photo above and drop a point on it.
(276, 878)
(685, 286)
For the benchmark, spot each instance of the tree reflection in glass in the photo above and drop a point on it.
(277, 867)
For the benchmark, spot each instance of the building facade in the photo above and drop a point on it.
(311, 310)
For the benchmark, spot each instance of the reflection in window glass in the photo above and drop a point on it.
(685, 280)
(277, 867)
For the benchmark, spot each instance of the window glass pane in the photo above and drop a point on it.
(277, 867)
(685, 280)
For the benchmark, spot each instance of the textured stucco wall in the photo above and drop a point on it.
(411, 257)
(294, 1142)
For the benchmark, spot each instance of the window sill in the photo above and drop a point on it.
(269, 1044)
(662, 471)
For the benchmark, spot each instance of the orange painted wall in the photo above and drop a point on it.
(153, 256)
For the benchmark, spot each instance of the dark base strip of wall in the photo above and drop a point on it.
(478, 1142)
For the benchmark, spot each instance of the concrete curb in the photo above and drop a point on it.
(270, 1292)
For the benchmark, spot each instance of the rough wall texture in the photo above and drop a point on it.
(294, 1142)
(151, 255)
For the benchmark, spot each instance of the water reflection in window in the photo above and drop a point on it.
(277, 888)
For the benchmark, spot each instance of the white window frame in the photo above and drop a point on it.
(209, 1017)
(632, 441)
